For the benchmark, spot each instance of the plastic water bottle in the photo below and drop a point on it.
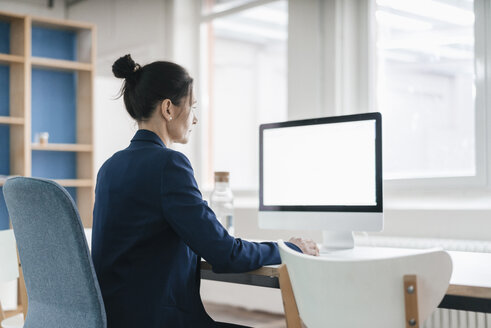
(222, 201)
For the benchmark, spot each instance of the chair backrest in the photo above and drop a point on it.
(8, 256)
(365, 289)
(61, 284)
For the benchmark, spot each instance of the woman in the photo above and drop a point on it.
(151, 225)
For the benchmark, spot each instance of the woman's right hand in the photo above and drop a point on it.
(308, 246)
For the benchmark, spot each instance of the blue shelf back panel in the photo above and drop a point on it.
(4, 37)
(54, 43)
(4, 216)
(4, 150)
(4, 90)
(54, 105)
(54, 164)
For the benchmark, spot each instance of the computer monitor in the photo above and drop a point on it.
(322, 174)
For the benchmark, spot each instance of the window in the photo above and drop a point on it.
(244, 80)
(426, 87)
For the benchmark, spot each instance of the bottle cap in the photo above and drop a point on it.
(222, 176)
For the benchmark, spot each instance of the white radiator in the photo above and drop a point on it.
(441, 318)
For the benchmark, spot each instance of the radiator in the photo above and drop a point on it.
(441, 318)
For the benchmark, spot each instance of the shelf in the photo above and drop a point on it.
(8, 16)
(62, 147)
(60, 64)
(11, 120)
(8, 59)
(61, 24)
(64, 183)
(75, 182)
(4, 178)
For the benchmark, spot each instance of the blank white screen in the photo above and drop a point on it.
(322, 164)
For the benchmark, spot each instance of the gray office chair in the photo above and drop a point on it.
(61, 284)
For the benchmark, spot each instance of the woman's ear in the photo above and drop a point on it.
(166, 110)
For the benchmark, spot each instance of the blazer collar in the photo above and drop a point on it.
(149, 136)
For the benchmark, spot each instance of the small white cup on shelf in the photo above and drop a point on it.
(43, 138)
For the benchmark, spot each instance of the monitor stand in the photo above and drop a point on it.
(337, 240)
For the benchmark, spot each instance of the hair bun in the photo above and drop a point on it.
(125, 68)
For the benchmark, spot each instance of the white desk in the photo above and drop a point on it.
(470, 284)
(469, 290)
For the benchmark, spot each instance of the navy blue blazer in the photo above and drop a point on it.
(151, 226)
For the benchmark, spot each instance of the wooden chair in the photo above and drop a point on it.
(9, 265)
(365, 287)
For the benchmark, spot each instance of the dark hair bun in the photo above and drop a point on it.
(145, 87)
(125, 68)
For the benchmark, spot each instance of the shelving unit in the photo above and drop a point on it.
(11, 120)
(7, 59)
(46, 85)
(58, 64)
(62, 147)
(75, 182)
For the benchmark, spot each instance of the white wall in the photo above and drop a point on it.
(125, 26)
(35, 8)
(113, 126)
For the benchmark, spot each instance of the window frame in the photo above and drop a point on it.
(342, 28)
(354, 32)
(244, 195)
(482, 110)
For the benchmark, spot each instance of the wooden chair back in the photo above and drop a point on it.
(364, 287)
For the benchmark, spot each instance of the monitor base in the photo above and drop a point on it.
(337, 240)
